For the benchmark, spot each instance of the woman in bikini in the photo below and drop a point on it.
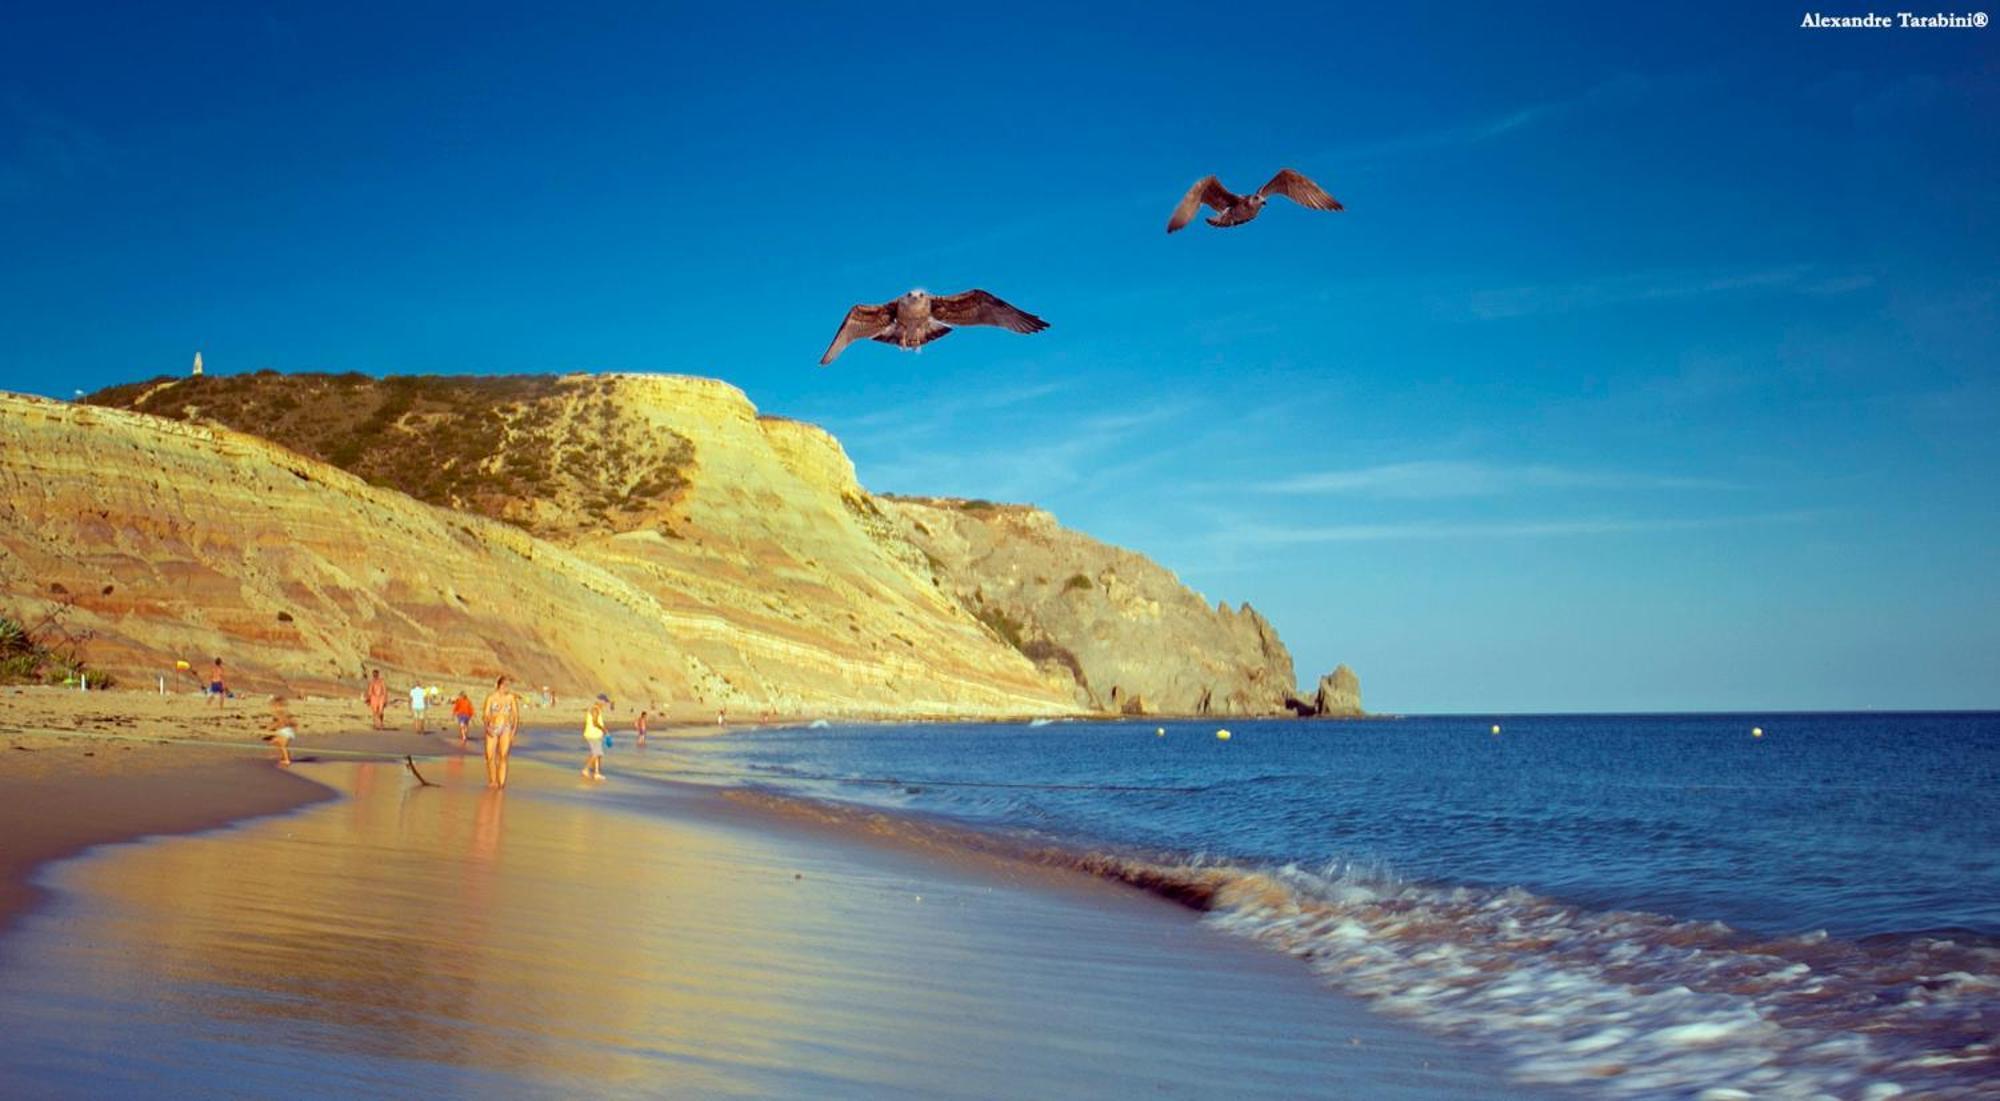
(502, 718)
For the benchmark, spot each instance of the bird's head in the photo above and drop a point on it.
(1254, 201)
(917, 294)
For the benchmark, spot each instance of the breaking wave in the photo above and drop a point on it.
(1615, 1003)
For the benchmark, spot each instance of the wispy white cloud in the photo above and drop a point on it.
(1127, 421)
(940, 414)
(1479, 131)
(1657, 286)
(1051, 455)
(1440, 479)
(1260, 535)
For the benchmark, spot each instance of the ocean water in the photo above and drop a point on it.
(1637, 906)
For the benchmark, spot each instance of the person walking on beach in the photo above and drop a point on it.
(461, 709)
(281, 731)
(501, 717)
(639, 725)
(593, 740)
(378, 698)
(418, 699)
(218, 690)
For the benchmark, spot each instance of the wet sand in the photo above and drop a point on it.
(641, 939)
(81, 769)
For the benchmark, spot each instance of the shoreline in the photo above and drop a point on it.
(743, 954)
(83, 769)
(80, 770)
(631, 852)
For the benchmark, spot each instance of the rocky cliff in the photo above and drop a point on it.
(755, 570)
(182, 540)
(1128, 634)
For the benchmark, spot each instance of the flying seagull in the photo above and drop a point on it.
(916, 319)
(1234, 210)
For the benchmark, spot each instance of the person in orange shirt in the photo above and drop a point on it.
(461, 709)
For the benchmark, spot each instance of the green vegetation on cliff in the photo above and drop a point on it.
(492, 444)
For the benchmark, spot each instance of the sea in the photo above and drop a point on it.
(1713, 906)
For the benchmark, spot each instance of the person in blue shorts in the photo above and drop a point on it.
(218, 689)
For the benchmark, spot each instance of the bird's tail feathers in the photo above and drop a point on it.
(895, 335)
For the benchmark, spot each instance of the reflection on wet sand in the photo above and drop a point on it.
(547, 939)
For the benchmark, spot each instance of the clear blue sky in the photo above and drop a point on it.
(1652, 366)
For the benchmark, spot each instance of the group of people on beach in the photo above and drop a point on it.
(500, 722)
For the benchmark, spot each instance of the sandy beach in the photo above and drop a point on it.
(560, 938)
(81, 769)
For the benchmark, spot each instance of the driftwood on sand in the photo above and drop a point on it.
(412, 762)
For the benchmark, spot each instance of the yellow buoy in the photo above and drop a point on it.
(1496, 728)
(1223, 735)
(1756, 732)
(1160, 733)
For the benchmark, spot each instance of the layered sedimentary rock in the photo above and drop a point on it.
(186, 541)
(784, 584)
(1129, 635)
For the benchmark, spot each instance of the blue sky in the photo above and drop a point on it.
(1652, 365)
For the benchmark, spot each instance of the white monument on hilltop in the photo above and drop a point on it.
(197, 365)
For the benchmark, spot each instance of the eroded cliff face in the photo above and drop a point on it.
(1127, 632)
(762, 569)
(181, 540)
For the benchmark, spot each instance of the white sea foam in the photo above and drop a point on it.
(1637, 1005)
(1622, 1004)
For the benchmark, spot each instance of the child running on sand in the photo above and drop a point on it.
(418, 699)
(281, 731)
(461, 709)
(217, 689)
(593, 740)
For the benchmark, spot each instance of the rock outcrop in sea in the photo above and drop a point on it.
(649, 535)
(1338, 697)
(1339, 693)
